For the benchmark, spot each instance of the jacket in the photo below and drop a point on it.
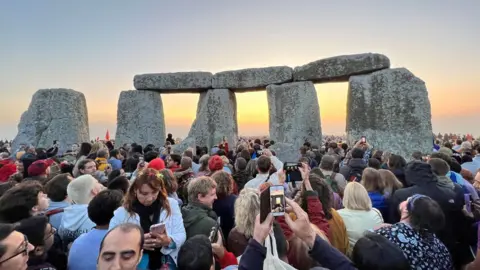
(380, 202)
(75, 222)
(237, 242)
(102, 164)
(225, 210)
(241, 178)
(115, 163)
(56, 219)
(198, 219)
(354, 163)
(173, 225)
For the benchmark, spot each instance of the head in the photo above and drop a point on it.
(224, 183)
(355, 197)
(96, 147)
(157, 164)
(40, 168)
(327, 163)
(22, 201)
(103, 153)
(87, 167)
(371, 247)
(85, 149)
(82, 189)
(417, 155)
(188, 153)
(147, 188)
(56, 189)
(357, 153)
(240, 164)
(458, 142)
(422, 213)
(39, 233)
(101, 208)
(247, 207)
(325, 194)
(196, 253)
(396, 162)
(439, 166)
(202, 190)
(121, 248)
(372, 181)
(14, 248)
(390, 180)
(185, 163)
(115, 153)
(170, 181)
(215, 163)
(264, 164)
(151, 155)
(173, 160)
(204, 163)
(119, 183)
(374, 163)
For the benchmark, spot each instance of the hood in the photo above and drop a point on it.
(194, 212)
(76, 217)
(56, 205)
(357, 163)
(419, 173)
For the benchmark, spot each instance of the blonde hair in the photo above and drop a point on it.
(96, 147)
(225, 160)
(372, 181)
(247, 207)
(390, 180)
(355, 197)
(79, 190)
(201, 185)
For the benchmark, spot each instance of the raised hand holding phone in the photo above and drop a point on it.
(305, 171)
(301, 226)
(262, 229)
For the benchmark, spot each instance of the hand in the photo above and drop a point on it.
(301, 226)
(305, 171)
(161, 239)
(281, 177)
(262, 230)
(149, 242)
(217, 247)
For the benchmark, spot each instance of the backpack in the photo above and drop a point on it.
(355, 174)
(330, 179)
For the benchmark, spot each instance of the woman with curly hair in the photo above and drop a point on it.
(224, 205)
(147, 203)
(171, 186)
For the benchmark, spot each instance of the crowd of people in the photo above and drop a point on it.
(106, 206)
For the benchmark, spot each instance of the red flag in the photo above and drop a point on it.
(107, 136)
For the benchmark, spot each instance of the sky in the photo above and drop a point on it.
(96, 47)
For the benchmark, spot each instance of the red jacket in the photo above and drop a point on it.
(227, 260)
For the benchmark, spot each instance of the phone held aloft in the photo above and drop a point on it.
(277, 200)
(292, 172)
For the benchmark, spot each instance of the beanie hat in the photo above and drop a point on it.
(7, 168)
(157, 164)
(215, 163)
(39, 167)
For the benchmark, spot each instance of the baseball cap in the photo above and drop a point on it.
(39, 167)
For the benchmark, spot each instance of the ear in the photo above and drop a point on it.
(38, 250)
(35, 209)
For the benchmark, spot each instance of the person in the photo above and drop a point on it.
(374, 184)
(198, 215)
(391, 182)
(354, 169)
(440, 169)
(203, 170)
(102, 160)
(172, 188)
(115, 159)
(146, 203)
(56, 190)
(336, 181)
(173, 162)
(240, 175)
(421, 218)
(224, 205)
(121, 248)
(119, 183)
(82, 154)
(84, 251)
(39, 170)
(170, 139)
(215, 163)
(14, 248)
(184, 174)
(195, 166)
(396, 164)
(22, 201)
(86, 166)
(264, 164)
(75, 221)
(40, 234)
(358, 214)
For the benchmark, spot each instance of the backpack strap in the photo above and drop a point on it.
(54, 212)
(268, 178)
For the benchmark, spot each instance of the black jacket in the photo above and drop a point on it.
(354, 163)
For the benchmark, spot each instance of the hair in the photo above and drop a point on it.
(83, 162)
(56, 189)
(247, 207)
(374, 163)
(154, 180)
(5, 231)
(96, 147)
(417, 155)
(204, 163)
(372, 181)
(4, 187)
(448, 145)
(16, 178)
(84, 150)
(325, 194)
(79, 190)
(150, 155)
(355, 197)
(114, 174)
(176, 158)
(425, 214)
(224, 183)
(240, 164)
(396, 162)
(188, 153)
(196, 253)
(390, 180)
(264, 164)
(34, 229)
(327, 163)
(455, 166)
(466, 158)
(186, 163)
(439, 166)
(246, 155)
(136, 148)
(170, 181)
(357, 153)
(114, 153)
(375, 252)
(102, 206)
(131, 164)
(378, 155)
(201, 185)
(119, 183)
(125, 227)
(102, 153)
(17, 203)
(318, 172)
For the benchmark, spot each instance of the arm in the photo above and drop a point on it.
(329, 256)
(253, 257)
(228, 259)
(276, 163)
(175, 228)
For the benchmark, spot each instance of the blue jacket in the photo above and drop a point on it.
(75, 222)
(379, 202)
(115, 163)
(56, 219)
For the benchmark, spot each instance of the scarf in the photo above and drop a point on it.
(145, 212)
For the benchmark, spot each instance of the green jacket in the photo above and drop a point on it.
(198, 219)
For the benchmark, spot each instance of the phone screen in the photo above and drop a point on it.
(277, 200)
(292, 173)
(364, 139)
(158, 228)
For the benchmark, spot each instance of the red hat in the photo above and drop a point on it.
(157, 164)
(39, 167)
(215, 163)
(7, 168)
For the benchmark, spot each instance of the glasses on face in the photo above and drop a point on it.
(51, 233)
(23, 251)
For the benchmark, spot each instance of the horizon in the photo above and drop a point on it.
(90, 47)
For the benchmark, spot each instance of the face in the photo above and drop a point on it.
(97, 188)
(146, 195)
(20, 167)
(170, 162)
(122, 172)
(42, 202)
(209, 198)
(403, 209)
(49, 233)
(120, 251)
(16, 255)
(90, 168)
(74, 147)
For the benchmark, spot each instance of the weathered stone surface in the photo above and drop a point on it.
(340, 68)
(252, 78)
(179, 82)
(286, 152)
(140, 118)
(216, 118)
(294, 115)
(54, 114)
(391, 108)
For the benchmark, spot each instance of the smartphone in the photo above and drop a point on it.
(214, 235)
(264, 204)
(158, 228)
(364, 139)
(292, 172)
(277, 201)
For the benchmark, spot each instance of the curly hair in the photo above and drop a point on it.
(170, 181)
(247, 207)
(224, 183)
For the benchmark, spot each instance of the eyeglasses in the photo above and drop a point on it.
(24, 250)
(51, 233)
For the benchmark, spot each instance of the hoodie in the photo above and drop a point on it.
(56, 219)
(75, 222)
(198, 219)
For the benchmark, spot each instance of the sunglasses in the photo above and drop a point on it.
(24, 251)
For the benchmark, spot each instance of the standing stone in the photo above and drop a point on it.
(54, 114)
(391, 108)
(216, 118)
(252, 78)
(294, 117)
(140, 118)
(178, 82)
(340, 68)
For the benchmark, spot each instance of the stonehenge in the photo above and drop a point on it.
(388, 106)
